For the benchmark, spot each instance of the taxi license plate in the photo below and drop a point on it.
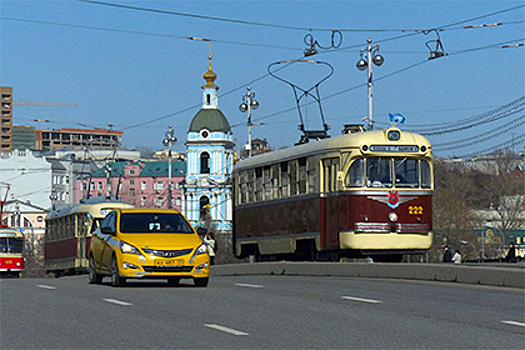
(169, 262)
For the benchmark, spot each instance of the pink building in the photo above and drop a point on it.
(143, 184)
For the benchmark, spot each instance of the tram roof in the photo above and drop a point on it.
(92, 205)
(6, 232)
(342, 142)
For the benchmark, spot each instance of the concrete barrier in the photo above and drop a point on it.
(502, 275)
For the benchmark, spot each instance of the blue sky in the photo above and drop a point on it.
(134, 69)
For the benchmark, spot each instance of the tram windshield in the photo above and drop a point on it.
(384, 172)
(11, 245)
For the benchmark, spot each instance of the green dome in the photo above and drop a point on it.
(211, 119)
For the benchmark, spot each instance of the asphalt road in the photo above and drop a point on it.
(263, 312)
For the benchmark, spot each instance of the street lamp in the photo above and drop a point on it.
(53, 197)
(249, 103)
(169, 140)
(366, 62)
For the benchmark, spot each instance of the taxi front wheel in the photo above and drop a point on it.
(116, 280)
(201, 282)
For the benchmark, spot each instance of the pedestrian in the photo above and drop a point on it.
(447, 255)
(210, 242)
(456, 258)
(511, 254)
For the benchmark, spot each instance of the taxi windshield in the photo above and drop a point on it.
(154, 223)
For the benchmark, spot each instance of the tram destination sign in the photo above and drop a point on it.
(394, 148)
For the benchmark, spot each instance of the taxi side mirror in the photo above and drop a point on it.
(107, 230)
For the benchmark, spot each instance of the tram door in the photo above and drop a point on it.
(331, 203)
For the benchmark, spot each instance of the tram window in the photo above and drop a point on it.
(302, 176)
(243, 187)
(275, 181)
(258, 184)
(425, 174)
(312, 177)
(293, 177)
(251, 189)
(267, 183)
(406, 172)
(283, 185)
(3, 245)
(356, 174)
(379, 172)
(15, 245)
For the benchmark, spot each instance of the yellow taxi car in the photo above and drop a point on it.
(147, 243)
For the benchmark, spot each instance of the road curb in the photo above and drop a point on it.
(500, 276)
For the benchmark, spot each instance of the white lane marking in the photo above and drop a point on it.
(248, 285)
(514, 323)
(225, 329)
(117, 302)
(371, 301)
(43, 286)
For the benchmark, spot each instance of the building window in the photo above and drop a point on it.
(132, 193)
(205, 163)
(132, 172)
(143, 185)
(208, 99)
(143, 201)
(160, 185)
(132, 182)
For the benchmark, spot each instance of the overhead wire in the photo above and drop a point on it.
(476, 139)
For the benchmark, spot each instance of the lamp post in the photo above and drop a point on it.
(169, 140)
(249, 103)
(53, 197)
(372, 56)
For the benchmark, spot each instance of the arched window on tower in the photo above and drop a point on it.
(205, 163)
(208, 99)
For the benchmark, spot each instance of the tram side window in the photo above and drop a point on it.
(302, 176)
(258, 184)
(267, 183)
(425, 174)
(313, 185)
(283, 186)
(356, 174)
(293, 177)
(251, 190)
(275, 181)
(406, 172)
(379, 172)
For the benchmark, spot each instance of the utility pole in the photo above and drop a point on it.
(365, 63)
(168, 141)
(249, 103)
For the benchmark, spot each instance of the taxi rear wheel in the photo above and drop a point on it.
(94, 277)
(116, 280)
(201, 282)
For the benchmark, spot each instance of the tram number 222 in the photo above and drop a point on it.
(415, 210)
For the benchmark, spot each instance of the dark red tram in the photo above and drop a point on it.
(356, 195)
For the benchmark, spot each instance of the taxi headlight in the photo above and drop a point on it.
(128, 248)
(203, 249)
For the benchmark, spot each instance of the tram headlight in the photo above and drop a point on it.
(394, 135)
(392, 217)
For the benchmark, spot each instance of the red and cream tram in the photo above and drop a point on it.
(11, 252)
(355, 195)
